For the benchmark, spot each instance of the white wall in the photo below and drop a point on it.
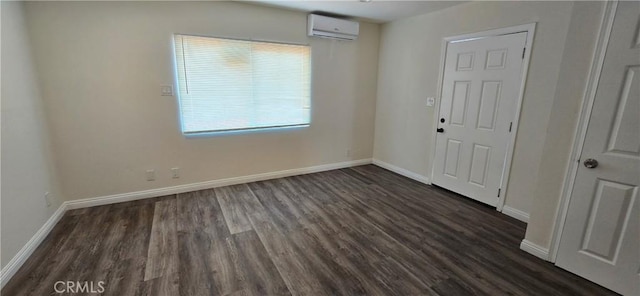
(572, 82)
(408, 73)
(102, 64)
(27, 167)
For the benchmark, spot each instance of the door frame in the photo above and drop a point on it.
(530, 30)
(588, 98)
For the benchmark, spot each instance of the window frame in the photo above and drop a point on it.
(215, 133)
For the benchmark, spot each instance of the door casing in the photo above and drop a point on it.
(530, 30)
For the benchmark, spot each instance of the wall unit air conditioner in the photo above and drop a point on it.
(329, 27)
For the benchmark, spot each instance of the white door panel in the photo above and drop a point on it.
(601, 236)
(489, 102)
(452, 157)
(480, 89)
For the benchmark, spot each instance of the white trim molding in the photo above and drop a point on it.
(535, 250)
(123, 197)
(21, 257)
(515, 213)
(404, 172)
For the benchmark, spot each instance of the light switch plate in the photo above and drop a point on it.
(167, 90)
(431, 101)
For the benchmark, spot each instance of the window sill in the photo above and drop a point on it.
(212, 134)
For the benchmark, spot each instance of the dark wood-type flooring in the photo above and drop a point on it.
(356, 231)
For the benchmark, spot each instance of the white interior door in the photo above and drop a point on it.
(480, 90)
(601, 236)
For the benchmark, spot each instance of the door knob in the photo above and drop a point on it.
(590, 163)
(440, 130)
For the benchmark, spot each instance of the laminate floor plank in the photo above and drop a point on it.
(355, 231)
(165, 285)
(232, 210)
(298, 276)
(126, 278)
(347, 246)
(206, 265)
(40, 264)
(109, 249)
(195, 275)
(162, 257)
(333, 228)
(274, 203)
(453, 287)
(490, 225)
(371, 235)
(93, 242)
(353, 217)
(138, 232)
(42, 284)
(202, 212)
(335, 274)
(502, 231)
(356, 272)
(392, 275)
(261, 276)
(118, 256)
(403, 230)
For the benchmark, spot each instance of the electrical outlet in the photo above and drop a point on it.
(151, 175)
(166, 90)
(46, 199)
(175, 173)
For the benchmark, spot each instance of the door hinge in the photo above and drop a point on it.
(499, 189)
(523, 51)
(510, 125)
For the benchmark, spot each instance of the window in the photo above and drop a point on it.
(235, 85)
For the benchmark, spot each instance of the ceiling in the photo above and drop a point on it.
(374, 11)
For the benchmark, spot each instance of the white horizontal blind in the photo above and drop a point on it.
(227, 85)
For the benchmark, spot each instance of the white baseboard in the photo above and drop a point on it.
(535, 250)
(401, 171)
(515, 213)
(123, 197)
(21, 257)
